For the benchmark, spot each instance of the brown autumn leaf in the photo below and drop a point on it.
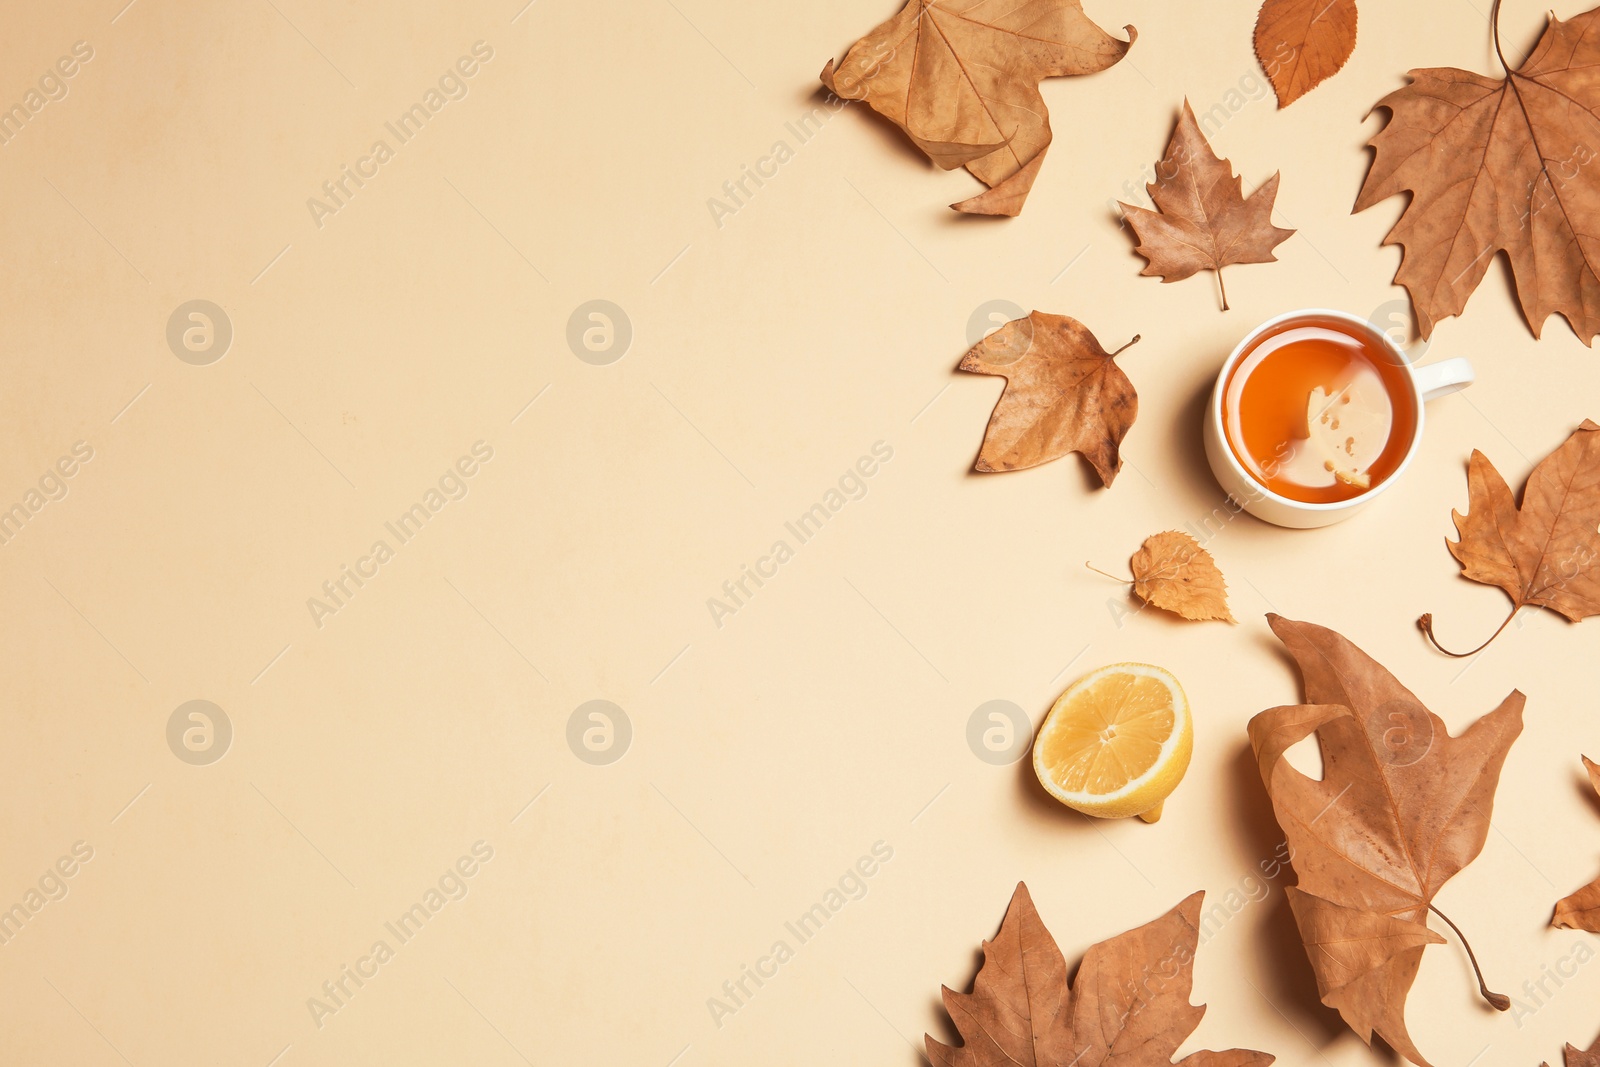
(1401, 807)
(1577, 1057)
(1302, 43)
(1064, 393)
(961, 78)
(1204, 221)
(1545, 552)
(1581, 910)
(1172, 571)
(1499, 164)
(1128, 1005)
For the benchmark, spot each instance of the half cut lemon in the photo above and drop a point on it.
(1117, 742)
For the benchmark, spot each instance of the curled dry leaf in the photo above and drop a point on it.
(1172, 571)
(1545, 553)
(1302, 43)
(961, 78)
(1204, 221)
(1401, 807)
(1581, 910)
(1127, 1007)
(1499, 164)
(1064, 393)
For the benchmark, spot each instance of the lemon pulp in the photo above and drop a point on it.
(1117, 742)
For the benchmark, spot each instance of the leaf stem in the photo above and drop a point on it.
(1425, 622)
(1097, 570)
(1497, 1001)
(1133, 341)
(1223, 288)
(1494, 23)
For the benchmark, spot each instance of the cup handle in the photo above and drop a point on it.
(1443, 378)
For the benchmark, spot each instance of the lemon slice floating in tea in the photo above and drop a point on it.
(1117, 742)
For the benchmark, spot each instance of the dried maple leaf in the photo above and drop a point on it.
(1581, 910)
(1064, 393)
(961, 78)
(1577, 1057)
(1204, 221)
(1545, 552)
(1128, 1006)
(1401, 807)
(1302, 43)
(1172, 572)
(1499, 165)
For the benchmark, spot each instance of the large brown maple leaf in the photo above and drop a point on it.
(1205, 221)
(961, 78)
(1064, 393)
(1545, 553)
(1499, 164)
(1128, 1005)
(1401, 807)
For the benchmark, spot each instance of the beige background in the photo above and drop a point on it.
(767, 355)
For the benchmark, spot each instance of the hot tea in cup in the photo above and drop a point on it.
(1318, 412)
(1315, 413)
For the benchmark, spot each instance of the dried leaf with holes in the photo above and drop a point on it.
(1204, 221)
(1545, 553)
(1127, 1007)
(1581, 910)
(1401, 808)
(1499, 164)
(1064, 393)
(1302, 43)
(961, 78)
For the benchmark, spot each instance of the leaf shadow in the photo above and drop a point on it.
(892, 137)
(1087, 481)
(1150, 615)
(1290, 985)
(952, 217)
(1268, 642)
(1280, 951)
(1041, 804)
(1186, 433)
(945, 1031)
(1088, 478)
(1130, 239)
(1586, 790)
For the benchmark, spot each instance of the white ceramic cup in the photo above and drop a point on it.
(1433, 380)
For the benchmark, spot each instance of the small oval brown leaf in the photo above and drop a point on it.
(1174, 573)
(1302, 43)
